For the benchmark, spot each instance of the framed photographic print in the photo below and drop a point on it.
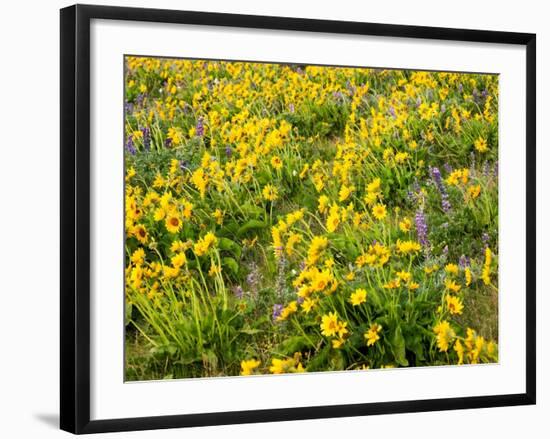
(267, 218)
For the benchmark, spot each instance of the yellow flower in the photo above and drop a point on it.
(379, 211)
(333, 220)
(140, 232)
(373, 334)
(293, 239)
(308, 304)
(454, 304)
(204, 244)
(407, 247)
(248, 366)
(270, 192)
(138, 256)
(486, 272)
(451, 285)
(358, 297)
(474, 191)
(316, 249)
(345, 192)
(214, 270)
(218, 216)
(481, 145)
(405, 225)
(468, 276)
(330, 324)
(444, 334)
(276, 162)
(173, 222)
(451, 269)
(323, 203)
(178, 260)
(459, 349)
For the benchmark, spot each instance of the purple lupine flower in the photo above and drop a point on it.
(485, 240)
(436, 176)
(291, 108)
(463, 262)
(473, 163)
(128, 107)
(421, 228)
(484, 93)
(239, 292)
(168, 142)
(418, 102)
(443, 108)
(146, 138)
(277, 310)
(200, 127)
(228, 151)
(448, 168)
(139, 100)
(495, 169)
(460, 88)
(445, 250)
(130, 146)
(485, 170)
(392, 112)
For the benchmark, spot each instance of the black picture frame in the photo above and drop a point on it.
(75, 217)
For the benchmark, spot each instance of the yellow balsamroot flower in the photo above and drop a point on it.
(358, 297)
(277, 241)
(178, 260)
(401, 157)
(138, 257)
(330, 324)
(218, 216)
(333, 219)
(293, 239)
(173, 222)
(481, 145)
(379, 211)
(407, 247)
(200, 181)
(316, 249)
(140, 233)
(451, 285)
(459, 349)
(454, 304)
(374, 186)
(373, 334)
(345, 192)
(308, 304)
(276, 162)
(205, 243)
(405, 225)
(214, 270)
(270, 192)
(444, 335)
(403, 275)
(486, 272)
(468, 276)
(248, 366)
(288, 310)
(474, 191)
(451, 269)
(323, 203)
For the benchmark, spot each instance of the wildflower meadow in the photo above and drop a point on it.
(286, 218)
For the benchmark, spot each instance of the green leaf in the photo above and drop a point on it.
(398, 347)
(231, 264)
(250, 225)
(229, 245)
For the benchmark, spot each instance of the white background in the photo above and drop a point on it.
(29, 187)
(112, 398)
